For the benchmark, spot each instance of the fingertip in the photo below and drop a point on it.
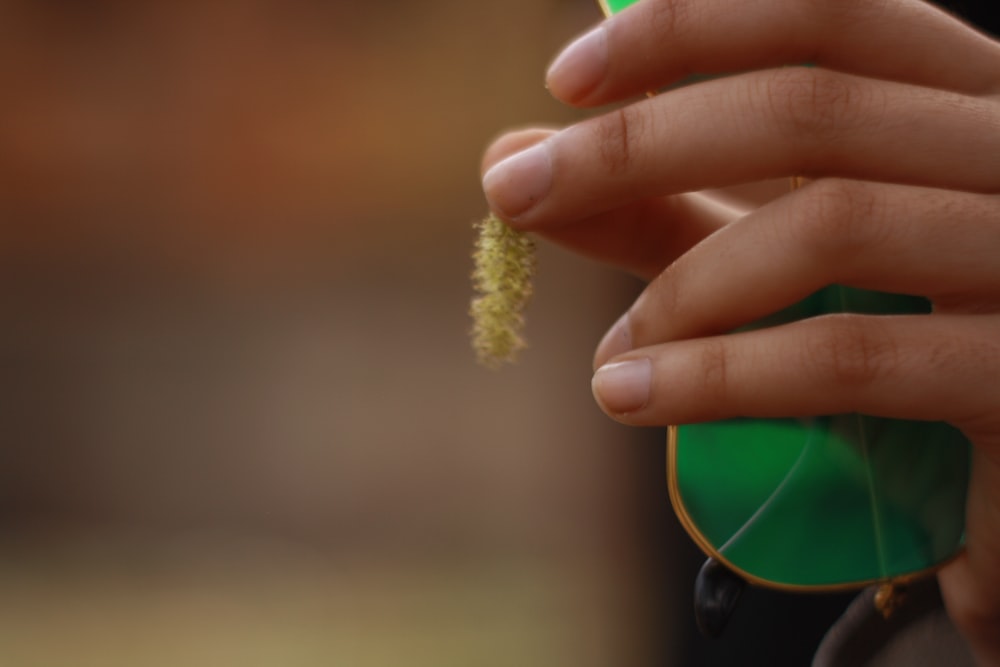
(623, 387)
(516, 184)
(512, 142)
(580, 68)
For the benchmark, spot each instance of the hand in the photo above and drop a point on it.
(897, 126)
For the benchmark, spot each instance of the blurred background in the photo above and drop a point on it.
(240, 423)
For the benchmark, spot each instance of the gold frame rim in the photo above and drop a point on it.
(681, 511)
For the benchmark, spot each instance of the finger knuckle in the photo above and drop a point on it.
(714, 363)
(618, 136)
(812, 103)
(852, 352)
(669, 18)
(838, 218)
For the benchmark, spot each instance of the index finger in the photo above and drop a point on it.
(748, 127)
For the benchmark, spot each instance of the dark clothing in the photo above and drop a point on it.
(919, 633)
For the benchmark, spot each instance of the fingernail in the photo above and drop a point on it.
(615, 342)
(580, 67)
(517, 183)
(623, 387)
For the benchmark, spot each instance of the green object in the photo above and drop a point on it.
(827, 502)
(614, 6)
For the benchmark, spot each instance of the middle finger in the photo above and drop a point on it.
(829, 232)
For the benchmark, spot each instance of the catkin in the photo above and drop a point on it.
(504, 267)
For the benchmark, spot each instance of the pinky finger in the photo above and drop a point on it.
(921, 367)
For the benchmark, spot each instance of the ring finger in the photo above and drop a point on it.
(829, 232)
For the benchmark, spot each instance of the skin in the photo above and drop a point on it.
(896, 127)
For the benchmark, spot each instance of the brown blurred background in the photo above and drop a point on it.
(240, 423)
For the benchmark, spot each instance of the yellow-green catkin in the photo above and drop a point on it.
(504, 266)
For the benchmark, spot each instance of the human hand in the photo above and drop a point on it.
(897, 125)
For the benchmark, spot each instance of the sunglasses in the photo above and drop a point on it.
(828, 503)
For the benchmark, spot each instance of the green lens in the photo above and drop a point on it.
(614, 6)
(823, 502)
(827, 501)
